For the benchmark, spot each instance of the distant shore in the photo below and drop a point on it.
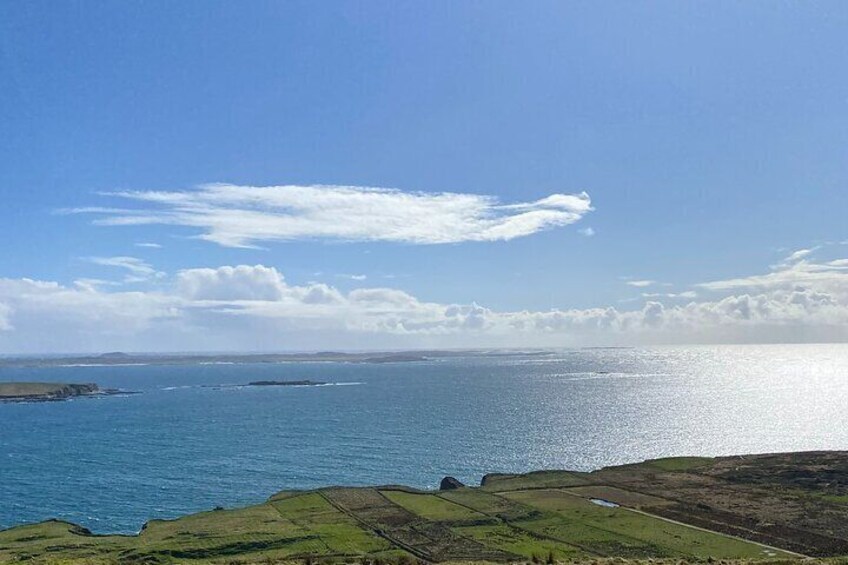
(286, 383)
(49, 392)
(118, 359)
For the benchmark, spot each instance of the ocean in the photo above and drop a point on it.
(186, 444)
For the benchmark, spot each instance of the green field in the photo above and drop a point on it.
(432, 507)
(538, 479)
(515, 518)
(381, 524)
(596, 528)
(525, 544)
(679, 463)
(17, 390)
(28, 389)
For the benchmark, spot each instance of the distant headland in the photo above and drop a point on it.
(118, 358)
(49, 392)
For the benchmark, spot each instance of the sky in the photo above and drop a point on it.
(290, 176)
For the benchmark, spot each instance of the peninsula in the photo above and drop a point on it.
(770, 508)
(45, 392)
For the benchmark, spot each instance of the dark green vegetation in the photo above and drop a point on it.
(674, 510)
(29, 392)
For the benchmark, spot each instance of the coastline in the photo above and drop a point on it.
(690, 507)
(142, 359)
(49, 392)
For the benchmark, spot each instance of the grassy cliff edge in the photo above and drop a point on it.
(761, 507)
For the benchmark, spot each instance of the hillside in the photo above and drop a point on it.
(769, 507)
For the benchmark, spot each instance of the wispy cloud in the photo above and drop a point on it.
(796, 269)
(138, 269)
(246, 216)
(352, 277)
(148, 245)
(799, 254)
(587, 232)
(684, 294)
(641, 283)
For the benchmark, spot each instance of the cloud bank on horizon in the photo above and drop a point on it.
(248, 307)
(245, 216)
(254, 307)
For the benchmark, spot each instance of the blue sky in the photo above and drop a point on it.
(710, 137)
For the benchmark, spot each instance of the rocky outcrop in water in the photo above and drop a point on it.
(450, 483)
(286, 383)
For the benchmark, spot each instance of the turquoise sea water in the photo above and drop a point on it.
(181, 445)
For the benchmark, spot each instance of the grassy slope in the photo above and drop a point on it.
(584, 522)
(283, 529)
(511, 518)
(432, 507)
(12, 390)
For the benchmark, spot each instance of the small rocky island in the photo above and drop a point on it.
(48, 392)
(286, 383)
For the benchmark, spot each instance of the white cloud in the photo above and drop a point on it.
(5, 322)
(640, 283)
(685, 294)
(318, 293)
(93, 284)
(232, 283)
(46, 316)
(245, 216)
(796, 256)
(588, 232)
(352, 277)
(139, 270)
(148, 245)
(253, 307)
(794, 271)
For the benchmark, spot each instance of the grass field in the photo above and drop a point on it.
(679, 463)
(598, 528)
(519, 542)
(17, 390)
(432, 507)
(490, 504)
(535, 517)
(538, 479)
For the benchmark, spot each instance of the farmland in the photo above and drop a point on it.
(770, 507)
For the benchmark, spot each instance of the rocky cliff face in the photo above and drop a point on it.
(77, 390)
